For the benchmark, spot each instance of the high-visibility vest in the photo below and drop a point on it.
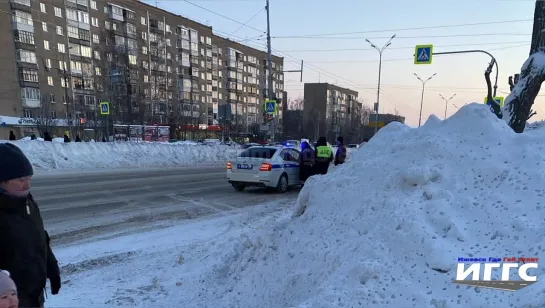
(324, 151)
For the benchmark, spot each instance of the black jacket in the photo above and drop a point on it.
(25, 251)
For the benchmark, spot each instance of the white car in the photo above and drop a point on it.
(265, 166)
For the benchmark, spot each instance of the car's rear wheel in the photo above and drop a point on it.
(239, 187)
(282, 185)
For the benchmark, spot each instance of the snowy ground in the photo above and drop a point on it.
(384, 230)
(59, 156)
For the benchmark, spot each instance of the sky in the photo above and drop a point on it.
(330, 36)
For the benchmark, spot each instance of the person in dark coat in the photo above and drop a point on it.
(25, 250)
(33, 137)
(12, 136)
(78, 139)
(340, 155)
(66, 138)
(47, 137)
(306, 162)
(324, 156)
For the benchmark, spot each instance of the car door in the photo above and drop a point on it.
(295, 154)
(288, 164)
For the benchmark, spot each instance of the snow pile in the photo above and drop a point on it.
(47, 156)
(386, 229)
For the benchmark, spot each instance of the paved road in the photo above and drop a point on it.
(79, 206)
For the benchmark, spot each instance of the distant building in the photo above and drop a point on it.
(328, 110)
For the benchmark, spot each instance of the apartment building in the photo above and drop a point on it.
(61, 58)
(329, 110)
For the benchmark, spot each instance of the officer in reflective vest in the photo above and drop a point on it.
(324, 156)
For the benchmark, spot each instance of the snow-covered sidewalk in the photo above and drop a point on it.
(157, 268)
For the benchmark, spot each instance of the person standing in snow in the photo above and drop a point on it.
(306, 162)
(12, 136)
(8, 291)
(47, 137)
(324, 156)
(340, 155)
(25, 250)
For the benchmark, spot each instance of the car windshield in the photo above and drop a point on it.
(265, 153)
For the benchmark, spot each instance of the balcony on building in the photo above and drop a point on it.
(30, 98)
(22, 21)
(76, 4)
(21, 5)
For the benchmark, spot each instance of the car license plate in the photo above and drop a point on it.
(244, 166)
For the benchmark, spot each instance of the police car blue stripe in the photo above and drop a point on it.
(279, 166)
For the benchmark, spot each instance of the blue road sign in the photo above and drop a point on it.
(105, 108)
(3, 124)
(270, 107)
(423, 54)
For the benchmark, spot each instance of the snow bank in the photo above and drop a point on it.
(46, 156)
(386, 229)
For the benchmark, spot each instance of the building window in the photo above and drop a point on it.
(72, 15)
(97, 71)
(168, 42)
(72, 32)
(107, 25)
(58, 12)
(97, 55)
(94, 21)
(144, 35)
(61, 48)
(132, 59)
(42, 8)
(44, 27)
(96, 39)
(26, 56)
(27, 113)
(46, 45)
(24, 37)
(50, 81)
(93, 5)
(63, 83)
(60, 30)
(53, 114)
(52, 98)
(48, 63)
(30, 75)
(85, 51)
(131, 29)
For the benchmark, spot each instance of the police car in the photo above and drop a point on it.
(265, 166)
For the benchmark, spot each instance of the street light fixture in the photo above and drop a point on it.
(380, 50)
(446, 102)
(422, 99)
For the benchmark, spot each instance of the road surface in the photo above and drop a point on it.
(79, 206)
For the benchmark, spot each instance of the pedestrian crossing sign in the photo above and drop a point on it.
(498, 99)
(423, 54)
(271, 107)
(104, 108)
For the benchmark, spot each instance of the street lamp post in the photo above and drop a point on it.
(446, 102)
(422, 99)
(380, 50)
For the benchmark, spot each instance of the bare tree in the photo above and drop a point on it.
(296, 104)
(45, 117)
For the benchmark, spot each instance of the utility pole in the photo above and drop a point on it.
(269, 67)
(380, 50)
(446, 102)
(422, 99)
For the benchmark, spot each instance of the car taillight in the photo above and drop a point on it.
(229, 167)
(265, 167)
